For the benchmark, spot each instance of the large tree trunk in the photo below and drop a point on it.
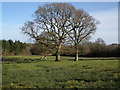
(58, 53)
(76, 54)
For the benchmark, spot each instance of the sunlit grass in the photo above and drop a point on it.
(87, 73)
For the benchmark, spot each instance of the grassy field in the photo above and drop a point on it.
(32, 72)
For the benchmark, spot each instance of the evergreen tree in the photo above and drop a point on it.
(16, 47)
(11, 45)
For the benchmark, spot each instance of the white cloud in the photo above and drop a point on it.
(12, 31)
(14, 35)
(108, 27)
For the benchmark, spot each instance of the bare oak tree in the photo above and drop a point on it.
(53, 23)
(53, 20)
(83, 25)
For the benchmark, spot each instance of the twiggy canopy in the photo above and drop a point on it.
(83, 25)
(57, 21)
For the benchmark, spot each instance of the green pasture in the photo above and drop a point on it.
(34, 72)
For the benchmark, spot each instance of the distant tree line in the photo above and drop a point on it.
(12, 48)
(86, 49)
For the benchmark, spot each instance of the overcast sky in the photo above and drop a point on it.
(14, 15)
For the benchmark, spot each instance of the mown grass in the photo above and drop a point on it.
(31, 72)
